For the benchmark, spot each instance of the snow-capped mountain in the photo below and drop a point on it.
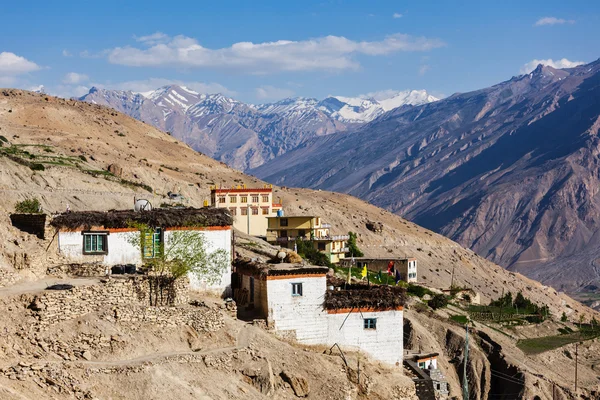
(245, 135)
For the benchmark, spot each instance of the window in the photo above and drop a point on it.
(321, 246)
(255, 198)
(296, 289)
(265, 211)
(95, 243)
(283, 233)
(152, 243)
(283, 222)
(243, 199)
(221, 199)
(370, 323)
(422, 365)
(254, 211)
(244, 211)
(301, 232)
(265, 199)
(233, 210)
(233, 199)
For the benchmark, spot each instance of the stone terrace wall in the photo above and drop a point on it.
(131, 293)
(85, 269)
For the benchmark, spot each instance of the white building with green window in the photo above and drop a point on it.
(111, 239)
(297, 302)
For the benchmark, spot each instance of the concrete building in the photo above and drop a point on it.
(430, 382)
(296, 303)
(249, 207)
(284, 231)
(108, 238)
(406, 266)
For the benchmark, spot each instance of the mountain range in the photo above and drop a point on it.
(510, 171)
(245, 135)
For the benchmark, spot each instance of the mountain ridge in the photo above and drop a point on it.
(509, 171)
(246, 135)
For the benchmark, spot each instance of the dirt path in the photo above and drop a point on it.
(42, 284)
(242, 340)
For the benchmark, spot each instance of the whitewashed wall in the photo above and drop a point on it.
(120, 250)
(384, 343)
(214, 240)
(302, 314)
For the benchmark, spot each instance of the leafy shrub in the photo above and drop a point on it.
(418, 291)
(438, 301)
(82, 158)
(28, 206)
(37, 167)
(353, 249)
(3, 139)
(307, 251)
(563, 317)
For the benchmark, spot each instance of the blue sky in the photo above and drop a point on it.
(264, 51)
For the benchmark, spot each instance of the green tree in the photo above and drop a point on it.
(307, 251)
(438, 301)
(183, 254)
(563, 317)
(353, 250)
(28, 206)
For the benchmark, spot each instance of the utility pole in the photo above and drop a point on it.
(576, 348)
(501, 306)
(466, 359)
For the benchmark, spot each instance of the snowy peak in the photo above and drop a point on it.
(174, 97)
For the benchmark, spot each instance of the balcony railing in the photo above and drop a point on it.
(316, 239)
(332, 238)
(324, 226)
(342, 250)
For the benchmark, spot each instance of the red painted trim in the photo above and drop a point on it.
(199, 228)
(268, 190)
(362, 309)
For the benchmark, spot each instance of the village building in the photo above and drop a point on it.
(111, 238)
(302, 303)
(285, 231)
(249, 207)
(407, 267)
(428, 378)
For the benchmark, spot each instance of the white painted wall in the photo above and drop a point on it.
(302, 314)
(120, 250)
(305, 316)
(384, 343)
(214, 240)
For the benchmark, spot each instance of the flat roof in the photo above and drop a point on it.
(381, 259)
(250, 267)
(296, 216)
(247, 190)
(157, 217)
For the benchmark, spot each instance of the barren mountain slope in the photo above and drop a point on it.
(148, 156)
(510, 171)
(62, 131)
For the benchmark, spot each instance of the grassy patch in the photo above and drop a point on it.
(461, 319)
(546, 343)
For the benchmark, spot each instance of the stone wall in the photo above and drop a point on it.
(30, 223)
(85, 269)
(131, 292)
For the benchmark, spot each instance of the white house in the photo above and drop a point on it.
(110, 238)
(296, 302)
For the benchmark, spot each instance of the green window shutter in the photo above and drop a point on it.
(87, 243)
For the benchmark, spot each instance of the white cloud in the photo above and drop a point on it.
(146, 85)
(273, 93)
(38, 88)
(153, 39)
(397, 15)
(324, 53)
(423, 69)
(73, 78)
(553, 21)
(558, 64)
(12, 64)
(66, 53)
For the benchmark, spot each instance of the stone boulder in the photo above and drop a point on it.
(299, 384)
(261, 376)
(116, 170)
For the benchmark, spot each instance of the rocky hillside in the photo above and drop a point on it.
(244, 135)
(60, 152)
(510, 171)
